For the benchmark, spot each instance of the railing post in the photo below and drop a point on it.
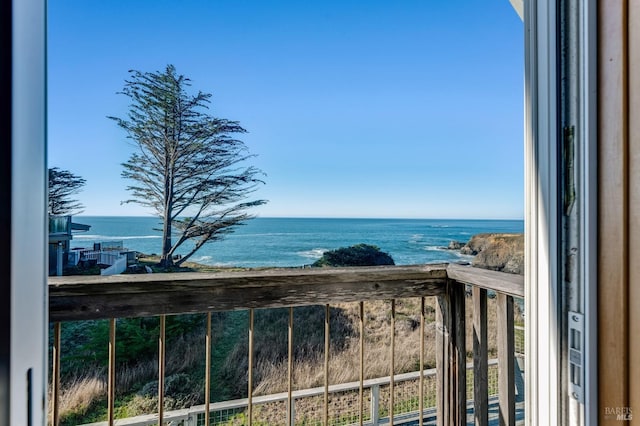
(192, 420)
(451, 356)
(480, 344)
(442, 359)
(375, 404)
(292, 412)
(506, 347)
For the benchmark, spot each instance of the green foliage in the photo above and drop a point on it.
(136, 339)
(357, 255)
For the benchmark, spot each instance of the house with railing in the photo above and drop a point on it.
(61, 229)
(112, 256)
(582, 221)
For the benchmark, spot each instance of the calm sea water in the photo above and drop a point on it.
(300, 241)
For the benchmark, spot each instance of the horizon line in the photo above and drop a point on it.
(325, 217)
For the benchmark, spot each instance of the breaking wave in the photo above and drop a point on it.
(312, 254)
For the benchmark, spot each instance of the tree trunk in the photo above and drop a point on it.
(166, 259)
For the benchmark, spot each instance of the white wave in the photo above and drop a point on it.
(114, 237)
(464, 256)
(224, 264)
(202, 259)
(415, 238)
(312, 254)
(433, 248)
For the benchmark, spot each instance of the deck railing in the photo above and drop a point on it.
(94, 297)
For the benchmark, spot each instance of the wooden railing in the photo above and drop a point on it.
(98, 297)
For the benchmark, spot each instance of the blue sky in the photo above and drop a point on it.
(354, 109)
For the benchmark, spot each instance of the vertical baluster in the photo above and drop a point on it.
(207, 372)
(361, 395)
(250, 377)
(290, 414)
(326, 364)
(111, 384)
(55, 392)
(161, 363)
(480, 343)
(506, 347)
(421, 391)
(393, 359)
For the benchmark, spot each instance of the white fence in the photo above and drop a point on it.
(117, 262)
(375, 390)
(118, 266)
(90, 255)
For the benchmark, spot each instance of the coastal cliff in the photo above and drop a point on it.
(498, 252)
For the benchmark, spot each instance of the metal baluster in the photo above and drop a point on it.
(207, 374)
(421, 392)
(326, 364)
(250, 378)
(161, 362)
(111, 388)
(290, 415)
(361, 397)
(55, 392)
(392, 366)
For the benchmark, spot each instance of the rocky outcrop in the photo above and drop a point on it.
(498, 252)
(455, 245)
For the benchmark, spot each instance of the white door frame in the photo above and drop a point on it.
(542, 216)
(542, 296)
(547, 398)
(28, 316)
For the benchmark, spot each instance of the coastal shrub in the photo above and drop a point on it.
(357, 255)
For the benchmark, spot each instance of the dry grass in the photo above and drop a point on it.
(78, 394)
(80, 390)
(345, 362)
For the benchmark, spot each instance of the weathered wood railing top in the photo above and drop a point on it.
(96, 297)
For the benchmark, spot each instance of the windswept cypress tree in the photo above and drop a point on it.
(188, 165)
(62, 185)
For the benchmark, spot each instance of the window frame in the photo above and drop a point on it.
(542, 215)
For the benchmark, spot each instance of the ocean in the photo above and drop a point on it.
(301, 241)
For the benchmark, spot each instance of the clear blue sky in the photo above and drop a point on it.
(354, 108)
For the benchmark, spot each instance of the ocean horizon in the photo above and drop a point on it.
(283, 242)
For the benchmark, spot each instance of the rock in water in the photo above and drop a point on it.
(455, 245)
